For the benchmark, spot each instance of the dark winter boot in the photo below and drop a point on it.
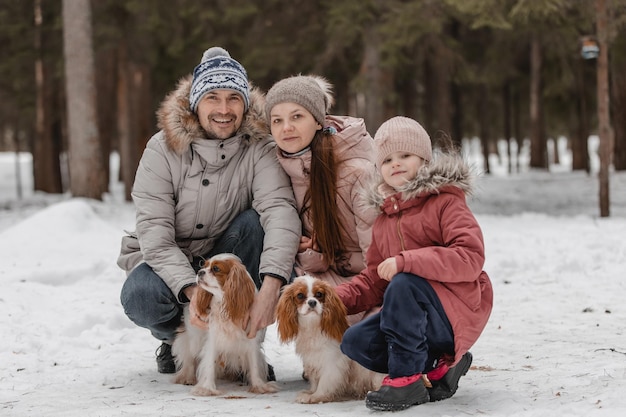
(397, 394)
(165, 360)
(445, 386)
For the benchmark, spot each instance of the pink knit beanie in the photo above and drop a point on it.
(401, 134)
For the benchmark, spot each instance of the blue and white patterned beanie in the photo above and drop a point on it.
(218, 70)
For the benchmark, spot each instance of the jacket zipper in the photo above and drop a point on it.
(398, 230)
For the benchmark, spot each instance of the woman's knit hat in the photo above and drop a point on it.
(401, 134)
(312, 92)
(217, 70)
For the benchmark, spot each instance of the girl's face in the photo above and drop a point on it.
(399, 168)
(293, 126)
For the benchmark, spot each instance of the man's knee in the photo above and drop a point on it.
(143, 293)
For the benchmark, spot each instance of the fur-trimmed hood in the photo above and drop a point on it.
(181, 126)
(446, 169)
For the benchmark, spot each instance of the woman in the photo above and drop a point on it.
(328, 159)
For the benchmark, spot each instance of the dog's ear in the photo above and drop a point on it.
(334, 315)
(239, 291)
(202, 301)
(287, 313)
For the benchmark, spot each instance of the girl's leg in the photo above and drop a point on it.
(416, 328)
(364, 343)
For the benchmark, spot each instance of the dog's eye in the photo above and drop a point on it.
(215, 268)
(319, 295)
(300, 296)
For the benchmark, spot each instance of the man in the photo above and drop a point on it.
(208, 182)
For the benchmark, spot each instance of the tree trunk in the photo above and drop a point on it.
(106, 79)
(485, 123)
(604, 124)
(128, 150)
(538, 157)
(46, 163)
(376, 82)
(517, 127)
(580, 126)
(457, 115)
(506, 105)
(618, 105)
(87, 176)
(437, 82)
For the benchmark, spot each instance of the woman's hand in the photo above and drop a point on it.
(308, 243)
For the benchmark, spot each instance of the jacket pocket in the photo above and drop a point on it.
(130, 252)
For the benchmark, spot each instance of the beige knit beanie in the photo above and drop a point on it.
(312, 92)
(401, 134)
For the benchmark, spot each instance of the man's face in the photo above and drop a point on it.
(221, 113)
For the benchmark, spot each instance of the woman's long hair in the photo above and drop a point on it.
(320, 200)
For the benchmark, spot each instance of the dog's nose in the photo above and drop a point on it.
(201, 273)
(312, 303)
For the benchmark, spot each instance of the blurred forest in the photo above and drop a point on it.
(509, 70)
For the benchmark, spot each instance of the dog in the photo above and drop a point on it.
(310, 313)
(224, 296)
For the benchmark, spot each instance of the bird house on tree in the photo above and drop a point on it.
(589, 48)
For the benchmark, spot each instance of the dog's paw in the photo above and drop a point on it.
(185, 379)
(266, 388)
(205, 392)
(306, 397)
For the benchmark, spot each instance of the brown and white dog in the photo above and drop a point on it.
(225, 294)
(310, 313)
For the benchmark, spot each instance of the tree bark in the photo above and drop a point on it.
(87, 176)
(580, 126)
(46, 150)
(506, 106)
(618, 105)
(604, 123)
(538, 157)
(375, 84)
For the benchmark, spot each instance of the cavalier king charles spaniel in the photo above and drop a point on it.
(224, 296)
(310, 313)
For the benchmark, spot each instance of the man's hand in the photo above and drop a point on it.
(196, 318)
(387, 268)
(263, 310)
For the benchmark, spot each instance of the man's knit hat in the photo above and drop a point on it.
(312, 92)
(401, 134)
(217, 70)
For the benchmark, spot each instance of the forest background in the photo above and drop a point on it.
(502, 71)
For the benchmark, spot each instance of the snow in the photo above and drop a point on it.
(555, 343)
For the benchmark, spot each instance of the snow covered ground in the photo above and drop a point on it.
(555, 344)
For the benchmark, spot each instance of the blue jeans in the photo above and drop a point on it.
(149, 302)
(409, 334)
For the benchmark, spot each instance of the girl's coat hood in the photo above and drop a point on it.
(445, 170)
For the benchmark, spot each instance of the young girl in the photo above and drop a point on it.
(329, 159)
(425, 266)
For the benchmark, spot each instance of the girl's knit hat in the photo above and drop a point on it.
(312, 92)
(401, 134)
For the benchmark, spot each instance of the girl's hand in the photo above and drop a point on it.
(387, 269)
(307, 243)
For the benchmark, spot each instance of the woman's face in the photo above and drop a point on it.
(293, 126)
